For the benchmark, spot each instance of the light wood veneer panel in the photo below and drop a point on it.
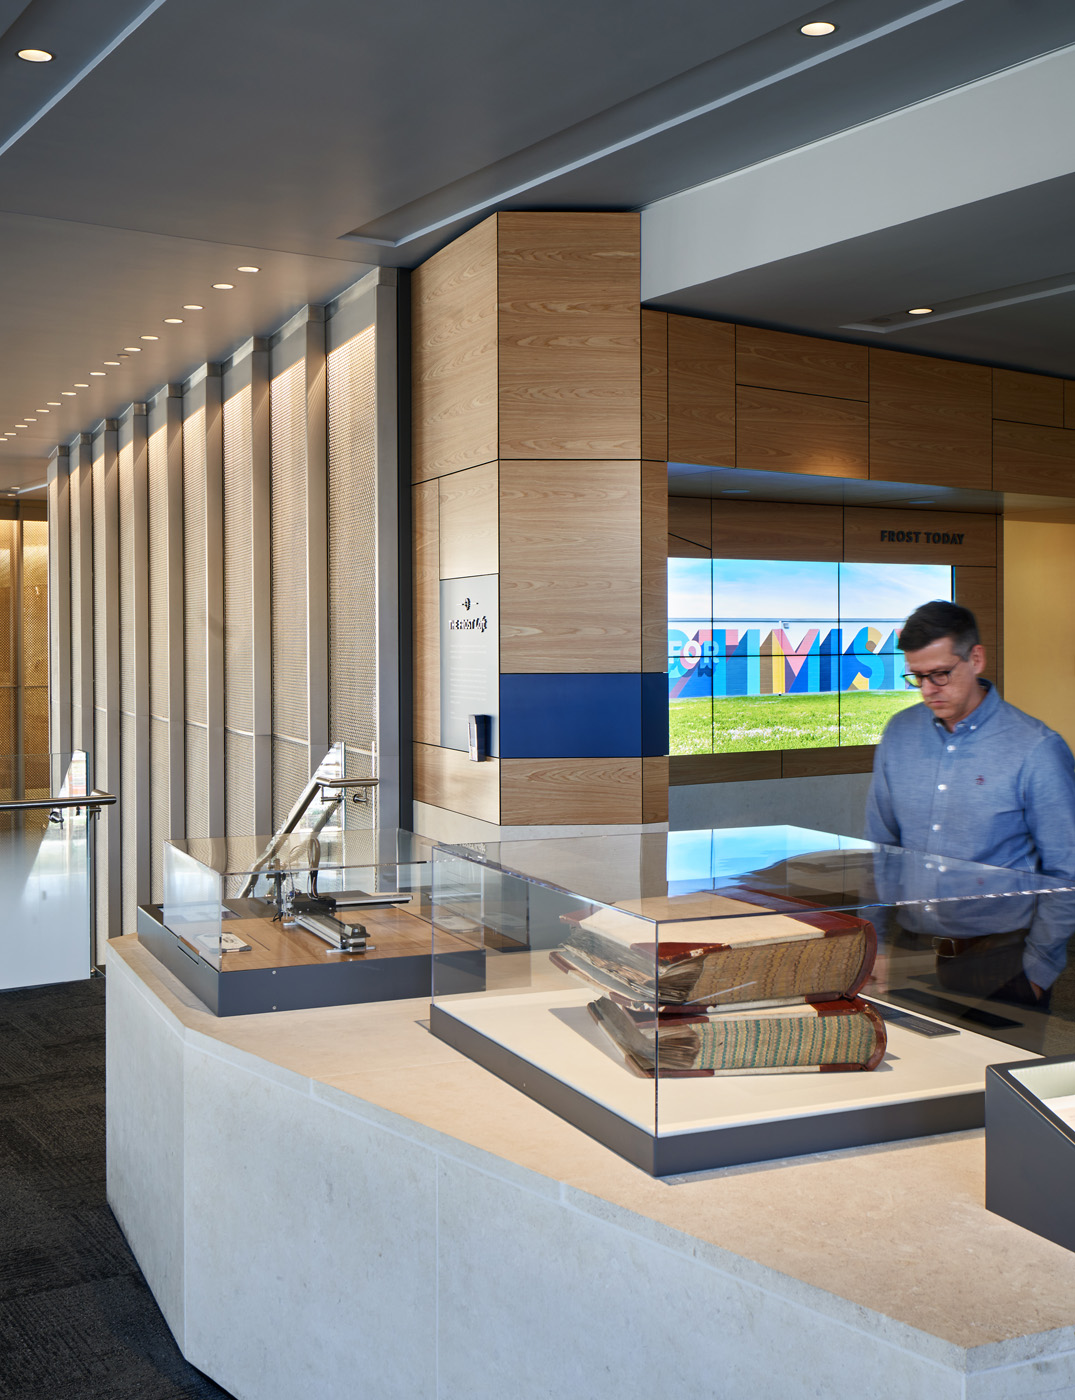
(454, 355)
(570, 791)
(863, 543)
(683, 549)
(976, 588)
(930, 421)
(655, 789)
(570, 566)
(425, 637)
(818, 763)
(654, 566)
(469, 522)
(690, 520)
(773, 530)
(570, 336)
(1028, 398)
(701, 391)
(655, 385)
(802, 433)
(802, 364)
(690, 770)
(447, 778)
(1030, 458)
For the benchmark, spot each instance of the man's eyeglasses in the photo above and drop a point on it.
(917, 678)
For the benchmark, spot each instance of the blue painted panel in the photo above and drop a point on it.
(583, 716)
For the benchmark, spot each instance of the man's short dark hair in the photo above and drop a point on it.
(938, 619)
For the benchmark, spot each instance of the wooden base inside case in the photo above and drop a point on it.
(289, 969)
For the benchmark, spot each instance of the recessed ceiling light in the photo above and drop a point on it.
(248, 269)
(816, 28)
(133, 349)
(192, 306)
(54, 403)
(920, 311)
(31, 420)
(20, 425)
(67, 394)
(82, 386)
(223, 286)
(173, 320)
(113, 363)
(149, 337)
(97, 374)
(35, 55)
(41, 410)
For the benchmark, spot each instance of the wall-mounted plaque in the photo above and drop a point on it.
(469, 658)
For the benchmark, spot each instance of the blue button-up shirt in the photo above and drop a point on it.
(998, 789)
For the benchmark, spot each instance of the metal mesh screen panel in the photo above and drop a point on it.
(101, 835)
(238, 788)
(290, 772)
(128, 752)
(158, 805)
(158, 576)
(100, 599)
(238, 555)
(7, 610)
(352, 541)
(35, 733)
(194, 637)
(35, 605)
(126, 580)
(197, 773)
(287, 406)
(79, 542)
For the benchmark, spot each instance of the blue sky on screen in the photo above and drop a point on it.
(767, 589)
(690, 588)
(869, 591)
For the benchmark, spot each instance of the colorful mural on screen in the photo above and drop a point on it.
(772, 627)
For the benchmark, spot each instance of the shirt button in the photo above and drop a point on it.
(942, 787)
(951, 748)
(936, 826)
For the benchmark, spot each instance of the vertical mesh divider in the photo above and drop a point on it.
(352, 556)
(158, 805)
(238, 788)
(100, 601)
(238, 554)
(290, 772)
(128, 755)
(194, 638)
(196, 740)
(158, 581)
(126, 580)
(287, 404)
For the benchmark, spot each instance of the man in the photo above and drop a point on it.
(969, 776)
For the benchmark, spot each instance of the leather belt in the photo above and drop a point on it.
(959, 947)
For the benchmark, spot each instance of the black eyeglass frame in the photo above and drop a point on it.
(917, 678)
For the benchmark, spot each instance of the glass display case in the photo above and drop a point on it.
(697, 999)
(284, 922)
(1030, 1145)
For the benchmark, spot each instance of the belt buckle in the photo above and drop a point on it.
(945, 947)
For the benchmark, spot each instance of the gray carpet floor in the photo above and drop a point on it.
(77, 1321)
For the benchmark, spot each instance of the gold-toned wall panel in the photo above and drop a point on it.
(654, 566)
(1028, 398)
(571, 566)
(469, 533)
(701, 391)
(1030, 458)
(454, 355)
(654, 385)
(776, 431)
(426, 631)
(570, 791)
(655, 789)
(863, 528)
(690, 521)
(802, 364)
(774, 530)
(447, 778)
(930, 421)
(569, 336)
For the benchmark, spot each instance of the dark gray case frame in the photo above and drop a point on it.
(1029, 1156)
(708, 1148)
(348, 982)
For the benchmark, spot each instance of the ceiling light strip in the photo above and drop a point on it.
(992, 304)
(814, 61)
(84, 72)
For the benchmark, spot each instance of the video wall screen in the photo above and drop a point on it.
(769, 654)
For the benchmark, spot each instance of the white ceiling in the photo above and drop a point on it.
(170, 142)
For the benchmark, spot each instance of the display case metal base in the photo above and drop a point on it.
(1029, 1150)
(707, 1148)
(343, 982)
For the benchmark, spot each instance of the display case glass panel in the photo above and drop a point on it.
(694, 998)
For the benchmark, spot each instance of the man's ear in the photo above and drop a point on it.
(977, 658)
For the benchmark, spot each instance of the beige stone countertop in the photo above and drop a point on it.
(899, 1229)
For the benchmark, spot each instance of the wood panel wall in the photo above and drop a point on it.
(540, 403)
(774, 530)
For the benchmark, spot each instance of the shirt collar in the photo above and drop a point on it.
(979, 715)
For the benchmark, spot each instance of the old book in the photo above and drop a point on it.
(717, 951)
(835, 1035)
